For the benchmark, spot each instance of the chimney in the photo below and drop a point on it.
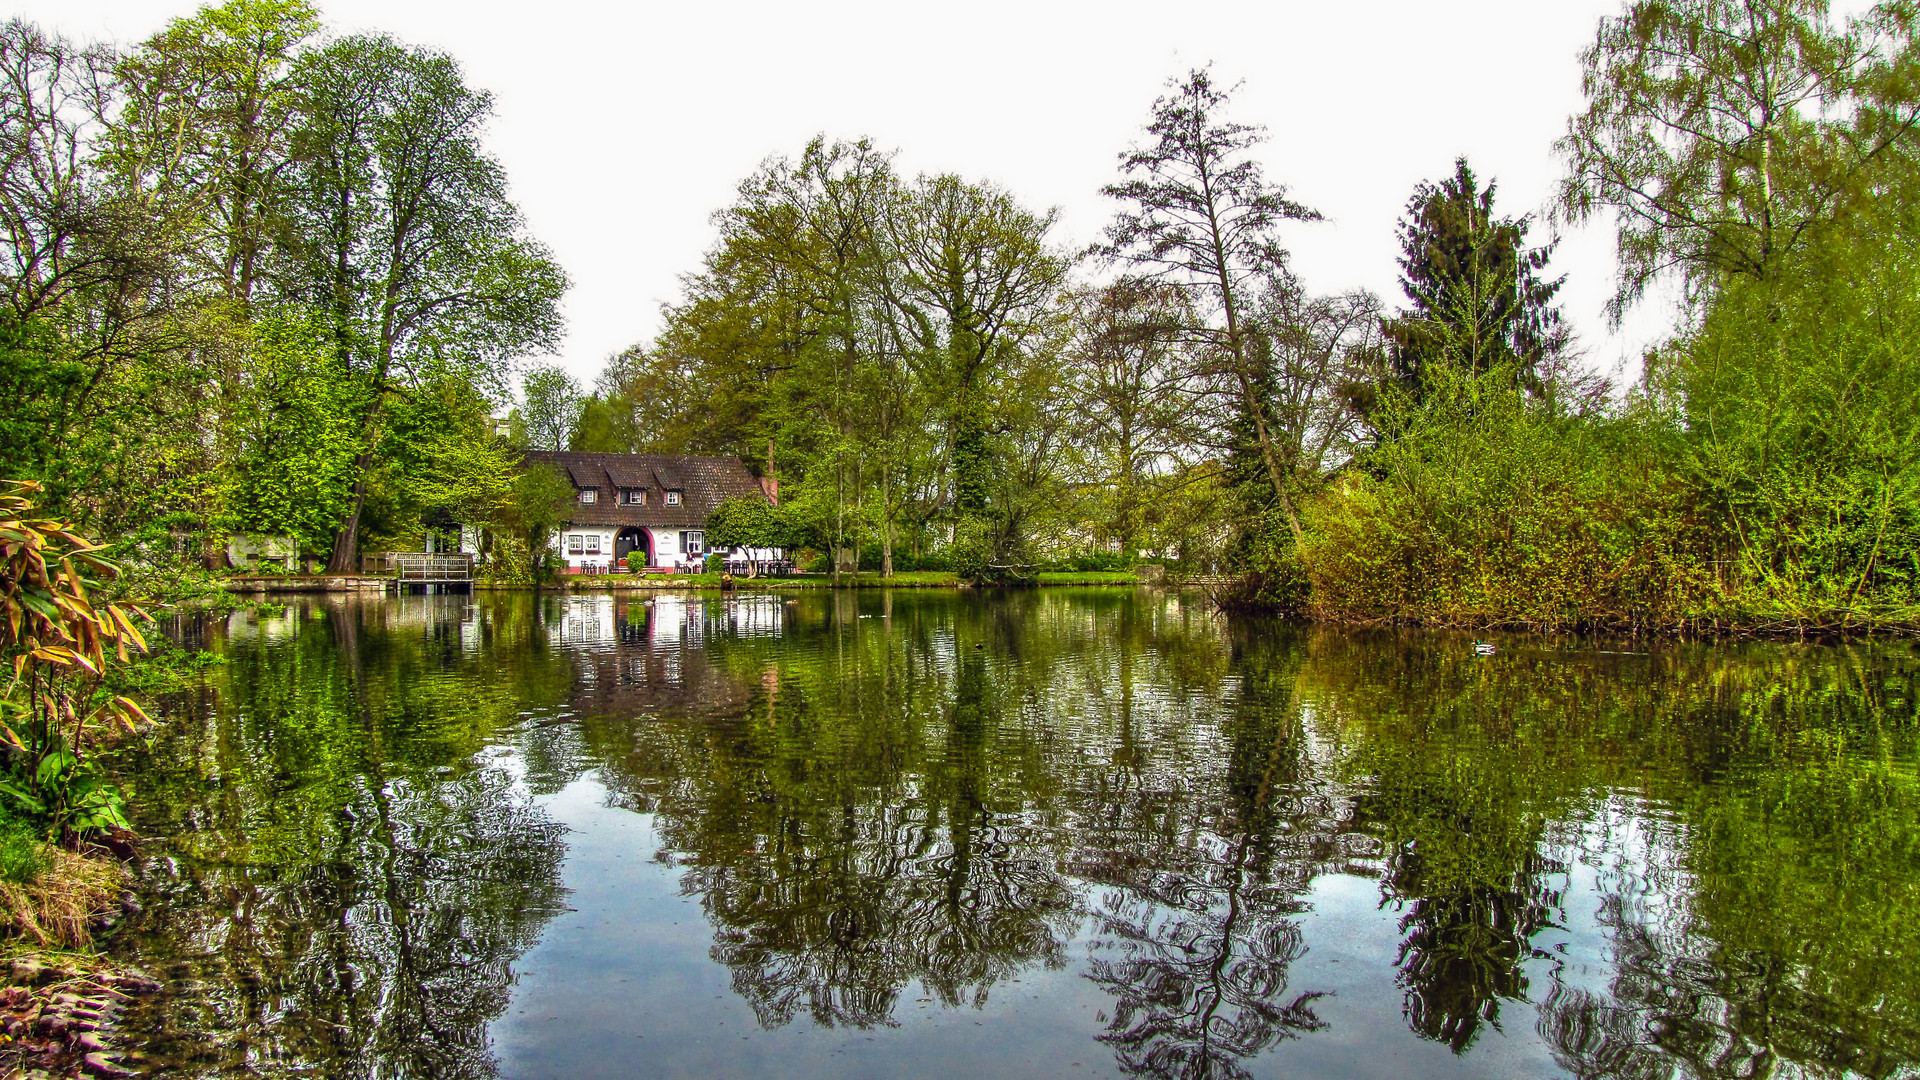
(770, 487)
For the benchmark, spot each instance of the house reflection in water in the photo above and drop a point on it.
(647, 655)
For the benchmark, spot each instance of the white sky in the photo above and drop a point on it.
(623, 126)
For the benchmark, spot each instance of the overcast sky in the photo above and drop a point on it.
(623, 126)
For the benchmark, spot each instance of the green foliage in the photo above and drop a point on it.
(1091, 561)
(550, 409)
(294, 463)
(1477, 300)
(1804, 431)
(20, 859)
(1722, 137)
(249, 272)
(61, 647)
(752, 522)
(541, 499)
(1493, 510)
(40, 389)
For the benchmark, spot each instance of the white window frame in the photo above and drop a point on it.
(634, 496)
(575, 543)
(696, 543)
(593, 544)
(589, 495)
(672, 498)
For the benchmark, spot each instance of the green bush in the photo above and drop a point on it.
(19, 850)
(1089, 562)
(1493, 511)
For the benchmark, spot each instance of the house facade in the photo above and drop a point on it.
(654, 504)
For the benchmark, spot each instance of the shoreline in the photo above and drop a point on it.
(344, 583)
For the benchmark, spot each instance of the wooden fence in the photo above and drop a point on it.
(433, 569)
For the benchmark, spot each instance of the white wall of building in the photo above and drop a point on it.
(593, 545)
(585, 545)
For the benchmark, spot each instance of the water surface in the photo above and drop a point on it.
(1083, 833)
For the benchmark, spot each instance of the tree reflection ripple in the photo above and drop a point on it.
(1698, 861)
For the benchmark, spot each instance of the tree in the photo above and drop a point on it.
(541, 500)
(63, 235)
(1202, 216)
(82, 259)
(748, 522)
(1722, 133)
(550, 408)
(412, 247)
(209, 113)
(1478, 300)
(978, 289)
(1136, 398)
(294, 442)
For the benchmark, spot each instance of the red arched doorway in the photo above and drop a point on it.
(632, 539)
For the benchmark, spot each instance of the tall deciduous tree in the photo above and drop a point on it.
(414, 249)
(1720, 133)
(1201, 215)
(1137, 398)
(550, 408)
(978, 286)
(209, 114)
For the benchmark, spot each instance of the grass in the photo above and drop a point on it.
(1090, 577)
(56, 908)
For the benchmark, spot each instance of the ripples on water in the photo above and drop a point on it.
(1049, 833)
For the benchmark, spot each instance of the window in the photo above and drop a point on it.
(589, 495)
(673, 498)
(574, 540)
(593, 543)
(634, 496)
(695, 542)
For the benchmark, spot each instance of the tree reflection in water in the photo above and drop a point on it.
(347, 884)
(865, 793)
(1204, 923)
(856, 827)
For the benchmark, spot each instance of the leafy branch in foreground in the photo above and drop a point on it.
(60, 646)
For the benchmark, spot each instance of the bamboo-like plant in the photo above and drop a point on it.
(59, 644)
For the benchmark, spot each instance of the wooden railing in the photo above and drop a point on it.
(433, 569)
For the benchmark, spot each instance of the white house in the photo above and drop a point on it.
(654, 504)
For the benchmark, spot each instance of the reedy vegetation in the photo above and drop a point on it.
(270, 280)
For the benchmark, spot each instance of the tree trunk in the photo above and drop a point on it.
(346, 546)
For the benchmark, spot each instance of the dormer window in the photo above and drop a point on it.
(589, 496)
(634, 496)
(673, 498)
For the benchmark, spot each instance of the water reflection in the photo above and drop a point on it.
(898, 812)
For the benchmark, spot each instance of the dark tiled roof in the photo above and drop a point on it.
(627, 474)
(586, 475)
(705, 482)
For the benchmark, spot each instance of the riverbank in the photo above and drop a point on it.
(323, 583)
(61, 1000)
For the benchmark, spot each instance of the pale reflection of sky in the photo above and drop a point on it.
(622, 986)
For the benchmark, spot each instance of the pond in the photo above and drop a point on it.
(1049, 833)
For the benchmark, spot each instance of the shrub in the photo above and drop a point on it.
(1500, 514)
(20, 859)
(61, 648)
(1091, 562)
